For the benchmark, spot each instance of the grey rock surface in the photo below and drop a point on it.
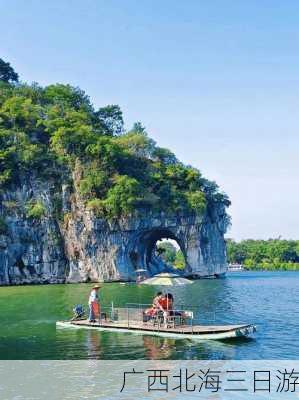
(72, 245)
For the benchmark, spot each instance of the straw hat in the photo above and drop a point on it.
(97, 287)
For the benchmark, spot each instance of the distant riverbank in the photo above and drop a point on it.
(264, 255)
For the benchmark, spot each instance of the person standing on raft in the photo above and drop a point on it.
(94, 304)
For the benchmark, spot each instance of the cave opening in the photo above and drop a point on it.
(162, 250)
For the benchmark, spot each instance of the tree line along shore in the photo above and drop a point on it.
(271, 254)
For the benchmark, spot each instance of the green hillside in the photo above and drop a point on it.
(56, 133)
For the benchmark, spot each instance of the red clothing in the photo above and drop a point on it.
(95, 309)
(166, 303)
(155, 307)
(150, 312)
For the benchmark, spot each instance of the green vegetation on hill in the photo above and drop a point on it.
(55, 131)
(272, 254)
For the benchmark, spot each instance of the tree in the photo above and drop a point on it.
(20, 112)
(180, 262)
(235, 252)
(167, 252)
(137, 143)
(171, 255)
(67, 97)
(164, 156)
(197, 201)
(111, 118)
(123, 196)
(138, 128)
(7, 73)
(93, 182)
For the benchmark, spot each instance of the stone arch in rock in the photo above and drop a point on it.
(142, 249)
(113, 251)
(201, 240)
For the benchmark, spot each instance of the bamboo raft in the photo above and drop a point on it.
(194, 332)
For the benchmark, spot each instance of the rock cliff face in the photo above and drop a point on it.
(69, 244)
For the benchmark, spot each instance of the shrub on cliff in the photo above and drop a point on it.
(97, 206)
(122, 197)
(197, 201)
(35, 209)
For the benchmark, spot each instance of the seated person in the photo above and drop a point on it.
(166, 306)
(167, 303)
(153, 310)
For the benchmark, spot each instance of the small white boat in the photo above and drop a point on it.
(235, 267)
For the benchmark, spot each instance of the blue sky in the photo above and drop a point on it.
(216, 82)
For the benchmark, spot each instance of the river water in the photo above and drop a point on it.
(268, 299)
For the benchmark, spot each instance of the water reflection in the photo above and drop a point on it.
(93, 343)
(166, 348)
(158, 348)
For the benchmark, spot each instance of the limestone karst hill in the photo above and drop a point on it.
(81, 199)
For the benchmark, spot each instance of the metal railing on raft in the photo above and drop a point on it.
(201, 315)
(126, 314)
(133, 313)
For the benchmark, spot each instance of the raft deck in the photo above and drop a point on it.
(180, 331)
